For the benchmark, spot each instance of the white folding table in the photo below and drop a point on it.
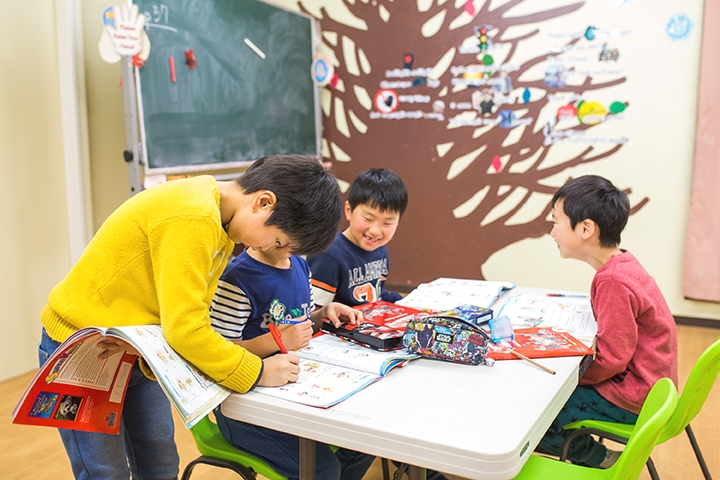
(470, 421)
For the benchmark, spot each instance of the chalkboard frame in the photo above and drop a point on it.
(234, 165)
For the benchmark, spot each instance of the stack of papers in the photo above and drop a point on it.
(447, 293)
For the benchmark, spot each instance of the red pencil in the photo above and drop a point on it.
(277, 336)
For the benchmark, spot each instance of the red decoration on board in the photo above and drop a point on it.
(190, 59)
(137, 61)
(496, 164)
(566, 112)
(334, 80)
(469, 7)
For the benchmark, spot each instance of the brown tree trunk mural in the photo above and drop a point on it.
(431, 240)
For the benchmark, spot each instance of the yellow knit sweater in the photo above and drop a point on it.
(157, 260)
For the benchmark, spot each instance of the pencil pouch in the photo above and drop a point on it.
(447, 338)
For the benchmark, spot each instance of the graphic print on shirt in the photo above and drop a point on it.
(277, 312)
(365, 282)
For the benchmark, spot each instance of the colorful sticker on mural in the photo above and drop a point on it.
(555, 75)
(322, 70)
(386, 101)
(678, 27)
(591, 113)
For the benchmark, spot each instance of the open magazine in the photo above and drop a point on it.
(332, 369)
(77, 391)
(572, 313)
(447, 293)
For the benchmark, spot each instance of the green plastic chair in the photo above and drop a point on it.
(216, 451)
(656, 412)
(698, 386)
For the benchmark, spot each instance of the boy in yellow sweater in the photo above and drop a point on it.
(157, 260)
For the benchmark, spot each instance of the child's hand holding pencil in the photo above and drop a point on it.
(295, 333)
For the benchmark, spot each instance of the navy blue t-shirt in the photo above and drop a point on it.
(348, 274)
(251, 294)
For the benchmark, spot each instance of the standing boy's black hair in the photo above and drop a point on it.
(309, 202)
(595, 198)
(379, 188)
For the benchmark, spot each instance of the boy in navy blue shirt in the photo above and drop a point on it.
(266, 286)
(354, 269)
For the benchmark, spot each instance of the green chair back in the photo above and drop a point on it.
(696, 390)
(213, 445)
(659, 406)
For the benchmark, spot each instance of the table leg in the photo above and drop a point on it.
(307, 459)
(416, 473)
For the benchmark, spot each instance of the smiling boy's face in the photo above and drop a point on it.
(567, 239)
(370, 228)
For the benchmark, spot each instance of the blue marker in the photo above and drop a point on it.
(291, 322)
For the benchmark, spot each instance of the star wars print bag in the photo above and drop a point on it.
(447, 338)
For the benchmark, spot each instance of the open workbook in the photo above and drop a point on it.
(332, 369)
(76, 390)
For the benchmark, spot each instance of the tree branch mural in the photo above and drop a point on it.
(469, 122)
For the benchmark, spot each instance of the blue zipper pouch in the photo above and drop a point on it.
(447, 338)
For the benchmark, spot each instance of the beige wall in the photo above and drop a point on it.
(34, 244)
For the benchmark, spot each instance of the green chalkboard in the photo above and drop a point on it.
(235, 106)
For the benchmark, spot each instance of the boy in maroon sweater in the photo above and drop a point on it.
(636, 343)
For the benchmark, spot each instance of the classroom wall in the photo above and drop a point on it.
(656, 163)
(34, 244)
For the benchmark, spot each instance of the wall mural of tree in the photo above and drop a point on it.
(470, 166)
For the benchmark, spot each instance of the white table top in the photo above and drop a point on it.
(469, 421)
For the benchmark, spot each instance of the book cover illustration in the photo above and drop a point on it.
(68, 393)
(76, 390)
(383, 326)
(540, 343)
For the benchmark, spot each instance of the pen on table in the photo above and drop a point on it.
(575, 295)
(277, 336)
(543, 367)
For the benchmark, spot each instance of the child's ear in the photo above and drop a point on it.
(588, 229)
(348, 211)
(264, 200)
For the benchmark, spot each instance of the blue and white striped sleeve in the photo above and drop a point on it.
(230, 310)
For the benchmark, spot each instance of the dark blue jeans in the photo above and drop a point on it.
(282, 451)
(145, 446)
(584, 404)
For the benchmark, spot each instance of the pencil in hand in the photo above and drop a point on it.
(277, 336)
(543, 367)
